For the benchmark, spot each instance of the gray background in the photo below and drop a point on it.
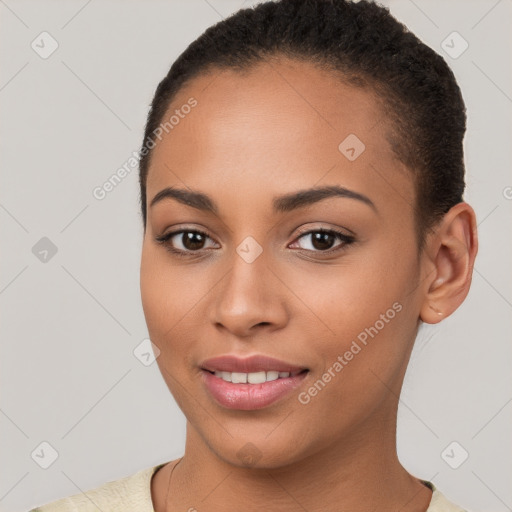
(70, 324)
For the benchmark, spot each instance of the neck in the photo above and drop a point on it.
(360, 472)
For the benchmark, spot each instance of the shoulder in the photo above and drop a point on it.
(439, 502)
(128, 494)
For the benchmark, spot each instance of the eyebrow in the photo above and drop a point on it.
(281, 204)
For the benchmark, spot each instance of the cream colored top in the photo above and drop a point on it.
(133, 494)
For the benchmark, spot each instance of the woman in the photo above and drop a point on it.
(301, 192)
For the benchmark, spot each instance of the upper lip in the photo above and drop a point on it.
(251, 364)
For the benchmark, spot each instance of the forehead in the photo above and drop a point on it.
(282, 124)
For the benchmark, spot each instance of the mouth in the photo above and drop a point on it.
(254, 377)
(251, 383)
(253, 364)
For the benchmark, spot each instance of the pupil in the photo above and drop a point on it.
(196, 240)
(192, 240)
(322, 240)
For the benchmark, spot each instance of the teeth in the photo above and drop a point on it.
(256, 378)
(272, 375)
(252, 378)
(239, 378)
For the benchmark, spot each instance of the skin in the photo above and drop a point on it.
(252, 136)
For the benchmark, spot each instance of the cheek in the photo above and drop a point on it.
(162, 286)
(370, 313)
(344, 299)
(160, 291)
(362, 368)
(171, 305)
(152, 290)
(165, 306)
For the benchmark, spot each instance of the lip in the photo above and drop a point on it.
(251, 364)
(250, 396)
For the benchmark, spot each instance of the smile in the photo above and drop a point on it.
(248, 383)
(253, 378)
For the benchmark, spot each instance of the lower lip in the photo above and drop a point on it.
(248, 397)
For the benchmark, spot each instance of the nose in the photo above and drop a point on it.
(249, 298)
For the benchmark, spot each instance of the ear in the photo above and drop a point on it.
(449, 254)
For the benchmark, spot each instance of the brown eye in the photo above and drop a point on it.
(192, 240)
(323, 240)
(184, 242)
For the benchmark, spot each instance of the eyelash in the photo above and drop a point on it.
(164, 240)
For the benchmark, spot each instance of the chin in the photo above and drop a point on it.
(258, 451)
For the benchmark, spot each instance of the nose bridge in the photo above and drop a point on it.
(246, 282)
(250, 293)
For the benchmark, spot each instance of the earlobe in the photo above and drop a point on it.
(435, 310)
(453, 249)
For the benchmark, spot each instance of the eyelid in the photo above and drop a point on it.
(167, 235)
(345, 239)
(184, 228)
(309, 229)
(301, 231)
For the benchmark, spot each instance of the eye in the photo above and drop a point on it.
(184, 242)
(322, 240)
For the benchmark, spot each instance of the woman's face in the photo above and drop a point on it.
(264, 280)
